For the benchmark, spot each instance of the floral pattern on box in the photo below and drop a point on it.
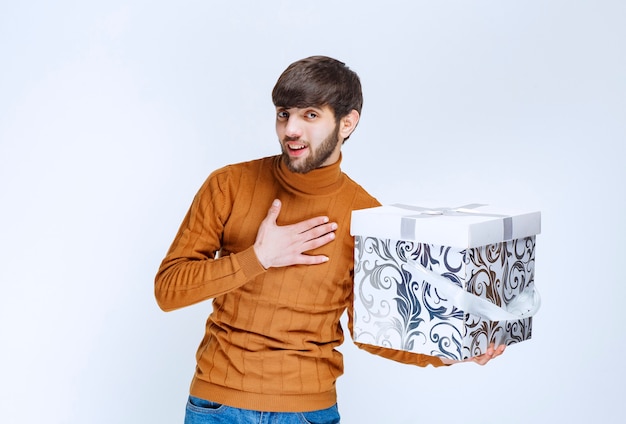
(395, 307)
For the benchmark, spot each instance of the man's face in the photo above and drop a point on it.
(309, 137)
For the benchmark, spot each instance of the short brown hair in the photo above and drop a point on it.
(319, 81)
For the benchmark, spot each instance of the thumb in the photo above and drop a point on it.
(274, 210)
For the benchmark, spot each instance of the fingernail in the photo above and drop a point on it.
(276, 202)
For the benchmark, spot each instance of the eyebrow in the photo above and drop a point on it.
(319, 108)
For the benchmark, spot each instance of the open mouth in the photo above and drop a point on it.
(296, 149)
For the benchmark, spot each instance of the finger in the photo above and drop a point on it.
(491, 350)
(494, 350)
(499, 351)
(319, 231)
(274, 211)
(485, 357)
(482, 359)
(311, 259)
(308, 224)
(318, 242)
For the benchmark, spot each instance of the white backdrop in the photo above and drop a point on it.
(113, 113)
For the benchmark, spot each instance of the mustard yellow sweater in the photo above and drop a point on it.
(271, 337)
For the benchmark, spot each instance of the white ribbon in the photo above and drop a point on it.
(407, 224)
(525, 304)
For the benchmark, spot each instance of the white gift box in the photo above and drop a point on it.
(444, 281)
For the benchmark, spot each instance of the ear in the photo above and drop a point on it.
(348, 123)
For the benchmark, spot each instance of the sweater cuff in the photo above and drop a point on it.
(402, 356)
(249, 263)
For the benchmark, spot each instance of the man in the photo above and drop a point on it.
(268, 240)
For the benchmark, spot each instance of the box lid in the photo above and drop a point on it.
(464, 226)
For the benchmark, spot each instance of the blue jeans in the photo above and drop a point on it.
(200, 411)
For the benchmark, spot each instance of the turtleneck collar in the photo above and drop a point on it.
(320, 181)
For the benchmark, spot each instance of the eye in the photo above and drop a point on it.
(282, 114)
(311, 115)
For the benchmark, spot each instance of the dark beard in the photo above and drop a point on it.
(317, 157)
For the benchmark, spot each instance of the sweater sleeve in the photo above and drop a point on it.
(192, 270)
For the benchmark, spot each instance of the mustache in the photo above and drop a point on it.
(288, 138)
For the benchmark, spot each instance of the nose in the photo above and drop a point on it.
(293, 127)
